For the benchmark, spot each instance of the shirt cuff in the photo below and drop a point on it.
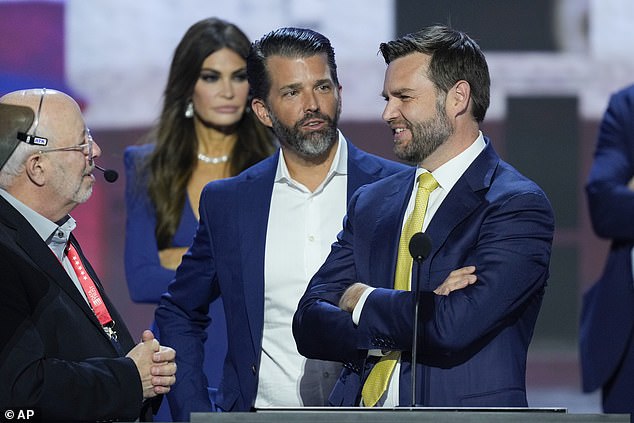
(356, 313)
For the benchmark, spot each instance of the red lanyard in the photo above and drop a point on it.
(87, 284)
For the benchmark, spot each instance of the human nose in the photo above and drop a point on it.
(311, 104)
(96, 150)
(389, 112)
(227, 89)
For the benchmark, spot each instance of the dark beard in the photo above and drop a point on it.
(427, 136)
(311, 146)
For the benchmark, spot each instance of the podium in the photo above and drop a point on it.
(405, 415)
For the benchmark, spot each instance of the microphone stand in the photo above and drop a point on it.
(415, 334)
(419, 247)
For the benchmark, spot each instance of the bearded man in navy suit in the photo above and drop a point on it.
(483, 216)
(263, 234)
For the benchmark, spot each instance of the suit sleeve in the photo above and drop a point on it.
(511, 254)
(61, 388)
(147, 279)
(512, 266)
(182, 320)
(318, 321)
(611, 202)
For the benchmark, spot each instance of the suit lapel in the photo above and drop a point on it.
(361, 170)
(387, 228)
(41, 257)
(357, 175)
(254, 200)
(45, 260)
(462, 200)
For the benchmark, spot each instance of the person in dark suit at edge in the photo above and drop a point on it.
(483, 217)
(64, 349)
(606, 335)
(259, 250)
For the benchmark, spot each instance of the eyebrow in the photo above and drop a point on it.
(299, 85)
(323, 81)
(293, 86)
(239, 70)
(398, 92)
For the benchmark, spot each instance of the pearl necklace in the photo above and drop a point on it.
(213, 160)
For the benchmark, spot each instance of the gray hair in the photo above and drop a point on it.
(15, 165)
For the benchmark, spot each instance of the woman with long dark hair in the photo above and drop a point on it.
(205, 132)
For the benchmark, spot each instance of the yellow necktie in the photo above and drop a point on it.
(377, 381)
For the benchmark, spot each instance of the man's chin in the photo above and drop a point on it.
(311, 136)
(84, 196)
(400, 150)
(314, 155)
(317, 145)
(407, 156)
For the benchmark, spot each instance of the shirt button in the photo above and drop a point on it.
(326, 374)
(60, 234)
(311, 238)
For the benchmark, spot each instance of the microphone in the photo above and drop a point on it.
(419, 248)
(110, 175)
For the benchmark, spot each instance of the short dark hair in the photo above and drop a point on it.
(285, 42)
(454, 57)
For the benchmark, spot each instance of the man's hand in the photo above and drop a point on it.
(164, 369)
(155, 364)
(457, 279)
(350, 298)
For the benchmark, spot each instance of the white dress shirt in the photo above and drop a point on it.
(301, 228)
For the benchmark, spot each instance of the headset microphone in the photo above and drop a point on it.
(110, 175)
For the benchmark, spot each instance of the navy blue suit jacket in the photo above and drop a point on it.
(473, 343)
(607, 317)
(228, 253)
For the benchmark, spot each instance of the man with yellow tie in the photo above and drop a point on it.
(483, 218)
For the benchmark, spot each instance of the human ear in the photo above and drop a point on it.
(460, 97)
(261, 111)
(35, 169)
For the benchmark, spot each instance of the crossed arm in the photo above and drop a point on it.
(512, 266)
(457, 279)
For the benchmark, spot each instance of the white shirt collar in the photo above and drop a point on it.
(51, 233)
(448, 174)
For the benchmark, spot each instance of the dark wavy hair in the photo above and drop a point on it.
(454, 57)
(285, 42)
(171, 164)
